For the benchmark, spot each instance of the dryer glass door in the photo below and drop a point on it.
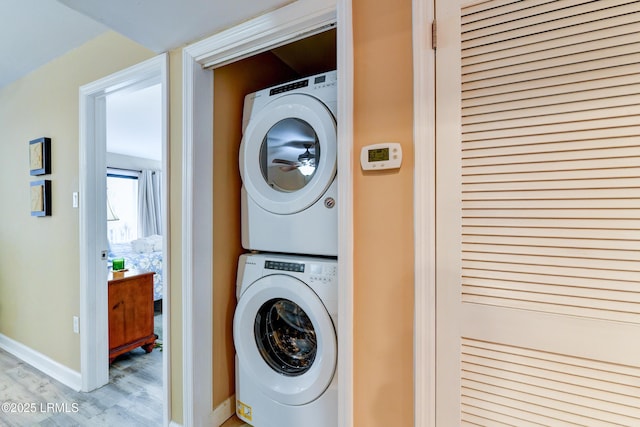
(288, 154)
(285, 337)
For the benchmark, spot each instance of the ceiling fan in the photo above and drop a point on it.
(305, 163)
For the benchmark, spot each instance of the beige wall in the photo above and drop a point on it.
(383, 217)
(39, 274)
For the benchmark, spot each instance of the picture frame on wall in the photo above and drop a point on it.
(41, 198)
(40, 156)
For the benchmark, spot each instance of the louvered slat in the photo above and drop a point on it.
(580, 234)
(574, 19)
(584, 146)
(565, 159)
(577, 282)
(550, 192)
(575, 90)
(546, 388)
(512, 88)
(612, 134)
(526, 240)
(599, 30)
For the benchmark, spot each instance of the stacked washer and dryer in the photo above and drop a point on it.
(284, 326)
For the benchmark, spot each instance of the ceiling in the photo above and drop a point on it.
(33, 32)
(161, 25)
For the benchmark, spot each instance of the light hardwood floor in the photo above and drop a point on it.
(234, 422)
(133, 396)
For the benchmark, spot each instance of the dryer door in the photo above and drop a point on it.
(288, 153)
(285, 339)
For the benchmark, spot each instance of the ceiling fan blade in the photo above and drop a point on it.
(286, 162)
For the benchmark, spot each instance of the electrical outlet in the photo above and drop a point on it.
(76, 324)
(75, 199)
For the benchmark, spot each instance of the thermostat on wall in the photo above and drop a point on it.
(387, 155)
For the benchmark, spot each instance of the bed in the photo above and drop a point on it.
(143, 254)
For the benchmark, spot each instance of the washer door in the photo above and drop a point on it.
(288, 154)
(285, 339)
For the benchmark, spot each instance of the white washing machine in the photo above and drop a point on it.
(288, 167)
(284, 331)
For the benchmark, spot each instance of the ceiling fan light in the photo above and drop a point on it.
(307, 169)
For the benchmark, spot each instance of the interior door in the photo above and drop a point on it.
(538, 237)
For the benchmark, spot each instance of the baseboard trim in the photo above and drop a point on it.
(174, 424)
(45, 364)
(224, 411)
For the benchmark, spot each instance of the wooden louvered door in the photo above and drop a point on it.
(538, 213)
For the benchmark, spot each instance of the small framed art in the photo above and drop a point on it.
(40, 156)
(41, 198)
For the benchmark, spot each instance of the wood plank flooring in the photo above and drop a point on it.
(133, 396)
(234, 422)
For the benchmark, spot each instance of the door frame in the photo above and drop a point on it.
(94, 331)
(292, 22)
(424, 213)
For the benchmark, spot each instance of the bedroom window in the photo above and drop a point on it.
(122, 206)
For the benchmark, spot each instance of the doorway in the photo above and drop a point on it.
(134, 219)
(94, 248)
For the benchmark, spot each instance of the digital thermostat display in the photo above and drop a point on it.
(379, 154)
(387, 155)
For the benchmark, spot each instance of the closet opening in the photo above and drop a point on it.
(306, 57)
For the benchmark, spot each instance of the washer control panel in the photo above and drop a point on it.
(325, 273)
(284, 266)
(310, 271)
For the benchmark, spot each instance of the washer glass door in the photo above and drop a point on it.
(288, 153)
(285, 339)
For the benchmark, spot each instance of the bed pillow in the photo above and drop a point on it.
(141, 245)
(147, 244)
(156, 240)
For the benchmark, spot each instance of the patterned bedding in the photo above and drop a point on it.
(145, 257)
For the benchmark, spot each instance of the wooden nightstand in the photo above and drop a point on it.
(130, 312)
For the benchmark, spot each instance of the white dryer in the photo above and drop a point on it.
(284, 331)
(288, 167)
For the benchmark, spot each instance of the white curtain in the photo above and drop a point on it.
(149, 203)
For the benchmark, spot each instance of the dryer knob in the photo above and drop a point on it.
(329, 202)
